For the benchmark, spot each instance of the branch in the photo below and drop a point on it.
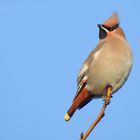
(100, 116)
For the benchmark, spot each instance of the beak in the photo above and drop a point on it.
(100, 26)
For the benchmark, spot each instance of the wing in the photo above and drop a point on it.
(81, 83)
(83, 74)
(82, 79)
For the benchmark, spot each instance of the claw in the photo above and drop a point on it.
(103, 115)
(82, 134)
(108, 102)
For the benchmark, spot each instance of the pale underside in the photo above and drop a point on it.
(107, 65)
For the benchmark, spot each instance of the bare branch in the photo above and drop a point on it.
(100, 116)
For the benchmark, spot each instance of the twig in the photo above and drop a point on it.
(100, 116)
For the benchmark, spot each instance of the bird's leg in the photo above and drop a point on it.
(101, 114)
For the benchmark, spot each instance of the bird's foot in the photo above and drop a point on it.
(81, 136)
(107, 102)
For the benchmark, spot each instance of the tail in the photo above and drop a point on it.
(81, 100)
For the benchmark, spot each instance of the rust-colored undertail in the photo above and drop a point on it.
(81, 99)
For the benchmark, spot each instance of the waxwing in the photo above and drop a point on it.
(109, 64)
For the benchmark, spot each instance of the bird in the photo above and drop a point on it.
(108, 64)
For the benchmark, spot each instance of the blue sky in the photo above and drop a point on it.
(42, 46)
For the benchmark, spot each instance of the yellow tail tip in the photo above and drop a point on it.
(67, 117)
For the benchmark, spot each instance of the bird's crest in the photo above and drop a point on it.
(112, 20)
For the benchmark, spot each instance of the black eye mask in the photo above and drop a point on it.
(111, 28)
(103, 33)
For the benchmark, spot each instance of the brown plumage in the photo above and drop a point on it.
(109, 64)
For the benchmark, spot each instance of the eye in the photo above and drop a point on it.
(102, 34)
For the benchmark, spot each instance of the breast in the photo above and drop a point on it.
(111, 65)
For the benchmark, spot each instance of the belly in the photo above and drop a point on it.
(109, 71)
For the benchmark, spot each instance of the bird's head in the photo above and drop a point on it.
(110, 27)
